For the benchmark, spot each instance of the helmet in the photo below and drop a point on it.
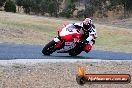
(87, 23)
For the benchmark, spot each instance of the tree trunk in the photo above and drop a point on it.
(125, 10)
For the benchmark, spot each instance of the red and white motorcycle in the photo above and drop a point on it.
(67, 41)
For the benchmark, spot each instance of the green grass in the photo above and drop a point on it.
(41, 30)
(114, 39)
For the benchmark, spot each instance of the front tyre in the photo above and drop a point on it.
(49, 48)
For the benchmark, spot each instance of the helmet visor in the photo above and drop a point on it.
(86, 26)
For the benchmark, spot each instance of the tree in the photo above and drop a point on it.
(43, 7)
(19, 3)
(69, 8)
(35, 7)
(99, 6)
(80, 14)
(26, 4)
(91, 6)
(2, 2)
(126, 4)
(52, 7)
(10, 6)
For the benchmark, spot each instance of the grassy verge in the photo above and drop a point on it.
(114, 39)
(40, 30)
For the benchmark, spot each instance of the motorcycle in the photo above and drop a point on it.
(67, 41)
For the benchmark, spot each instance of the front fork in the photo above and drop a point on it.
(59, 43)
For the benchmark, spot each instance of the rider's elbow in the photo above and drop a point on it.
(93, 41)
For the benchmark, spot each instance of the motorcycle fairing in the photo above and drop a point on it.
(69, 32)
(68, 46)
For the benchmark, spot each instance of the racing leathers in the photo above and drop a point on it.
(88, 36)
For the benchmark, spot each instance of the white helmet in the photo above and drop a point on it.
(87, 24)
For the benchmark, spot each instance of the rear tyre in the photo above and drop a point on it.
(77, 50)
(74, 52)
(49, 48)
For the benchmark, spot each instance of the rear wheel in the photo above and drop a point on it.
(49, 48)
(76, 51)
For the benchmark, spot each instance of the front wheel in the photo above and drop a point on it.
(49, 48)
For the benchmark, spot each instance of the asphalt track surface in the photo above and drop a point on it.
(11, 51)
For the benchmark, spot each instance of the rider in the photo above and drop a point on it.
(88, 31)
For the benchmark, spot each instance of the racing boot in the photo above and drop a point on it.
(87, 48)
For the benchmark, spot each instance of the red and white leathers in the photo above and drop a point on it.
(89, 36)
(66, 32)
